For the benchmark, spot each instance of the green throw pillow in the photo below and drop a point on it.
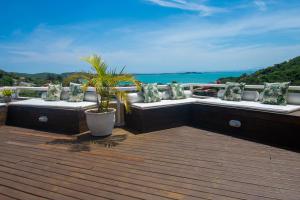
(151, 93)
(176, 91)
(233, 91)
(53, 92)
(275, 93)
(76, 93)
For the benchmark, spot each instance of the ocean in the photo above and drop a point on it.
(194, 77)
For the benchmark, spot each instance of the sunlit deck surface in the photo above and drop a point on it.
(179, 163)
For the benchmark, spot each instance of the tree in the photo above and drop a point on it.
(6, 81)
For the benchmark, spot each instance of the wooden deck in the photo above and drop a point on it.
(179, 163)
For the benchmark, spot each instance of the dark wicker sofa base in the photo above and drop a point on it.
(273, 128)
(146, 120)
(59, 120)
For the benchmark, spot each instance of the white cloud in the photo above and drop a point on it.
(198, 6)
(190, 44)
(262, 5)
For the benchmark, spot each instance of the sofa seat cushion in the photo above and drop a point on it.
(164, 103)
(55, 104)
(250, 105)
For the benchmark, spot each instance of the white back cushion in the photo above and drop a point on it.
(90, 96)
(220, 94)
(250, 96)
(43, 95)
(64, 95)
(293, 98)
(188, 93)
(135, 97)
(165, 95)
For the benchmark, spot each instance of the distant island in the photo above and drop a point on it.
(169, 73)
(283, 72)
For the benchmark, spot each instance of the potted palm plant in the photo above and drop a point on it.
(7, 94)
(101, 120)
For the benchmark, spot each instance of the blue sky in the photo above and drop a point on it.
(148, 36)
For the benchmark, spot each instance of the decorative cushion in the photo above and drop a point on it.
(233, 91)
(176, 91)
(53, 92)
(150, 93)
(76, 93)
(275, 93)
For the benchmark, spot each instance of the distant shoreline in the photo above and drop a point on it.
(166, 73)
(163, 73)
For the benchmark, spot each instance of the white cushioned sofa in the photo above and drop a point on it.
(250, 101)
(246, 118)
(55, 116)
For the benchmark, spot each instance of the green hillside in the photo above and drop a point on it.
(286, 71)
(38, 79)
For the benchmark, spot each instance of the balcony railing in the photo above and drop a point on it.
(191, 86)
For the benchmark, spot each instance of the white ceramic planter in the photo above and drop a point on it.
(6, 99)
(100, 124)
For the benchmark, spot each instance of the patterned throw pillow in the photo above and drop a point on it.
(275, 93)
(176, 91)
(233, 91)
(53, 92)
(151, 93)
(76, 93)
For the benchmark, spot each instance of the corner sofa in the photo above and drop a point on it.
(248, 118)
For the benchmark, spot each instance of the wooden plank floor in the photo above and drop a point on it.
(179, 163)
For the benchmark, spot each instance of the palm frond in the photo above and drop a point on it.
(76, 76)
(106, 80)
(123, 97)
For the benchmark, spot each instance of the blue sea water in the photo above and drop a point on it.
(205, 77)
